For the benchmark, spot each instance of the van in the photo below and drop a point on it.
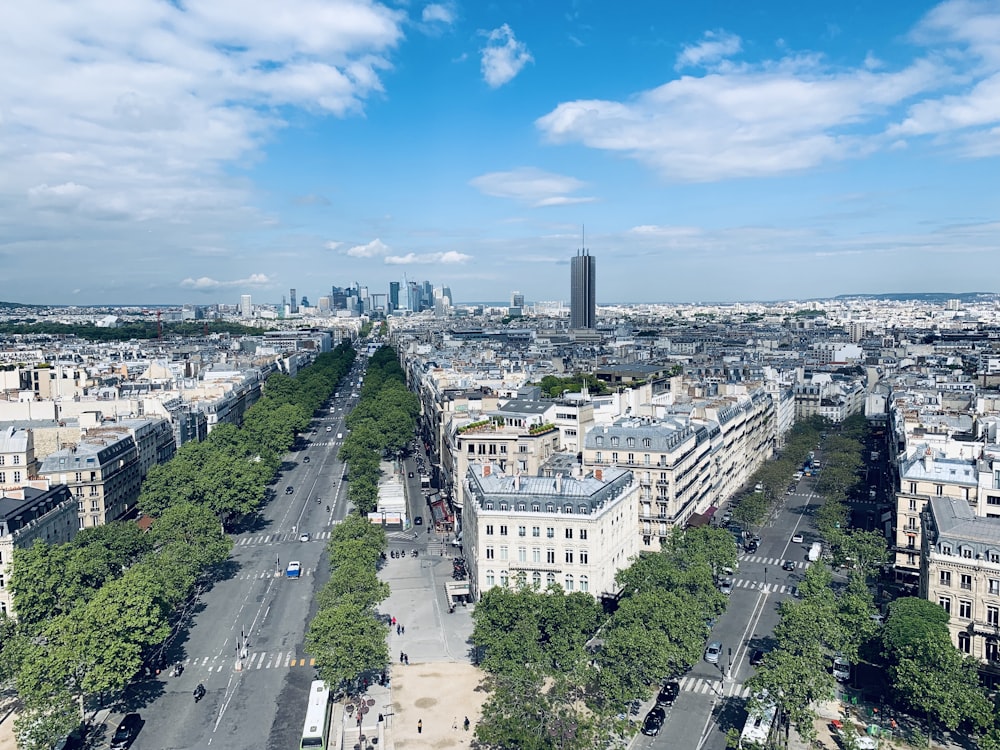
(340, 436)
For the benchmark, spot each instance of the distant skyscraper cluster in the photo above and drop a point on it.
(360, 300)
(583, 290)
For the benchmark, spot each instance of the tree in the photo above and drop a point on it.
(40, 727)
(194, 529)
(347, 642)
(797, 681)
(867, 549)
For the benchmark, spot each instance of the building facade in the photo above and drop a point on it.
(574, 531)
(583, 291)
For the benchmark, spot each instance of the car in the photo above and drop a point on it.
(126, 732)
(668, 693)
(654, 721)
(410, 475)
(794, 591)
(289, 490)
(796, 538)
(756, 657)
(304, 536)
(713, 652)
(418, 520)
(726, 586)
(788, 565)
(841, 668)
(345, 476)
(329, 428)
(305, 459)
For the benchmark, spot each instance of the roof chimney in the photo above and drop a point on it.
(517, 482)
(558, 484)
(599, 475)
(928, 459)
(486, 470)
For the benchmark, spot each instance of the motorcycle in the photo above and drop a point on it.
(199, 692)
(177, 670)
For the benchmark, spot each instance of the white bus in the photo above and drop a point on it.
(317, 726)
(757, 730)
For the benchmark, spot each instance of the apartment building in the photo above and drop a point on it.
(17, 457)
(924, 475)
(102, 471)
(960, 571)
(575, 531)
(36, 511)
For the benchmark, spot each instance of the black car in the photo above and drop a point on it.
(289, 490)
(418, 521)
(410, 475)
(788, 565)
(668, 693)
(126, 732)
(654, 721)
(305, 460)
(756, 657)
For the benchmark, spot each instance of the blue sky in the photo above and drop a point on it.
(161, 152)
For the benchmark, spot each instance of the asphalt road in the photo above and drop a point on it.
(713, 696)
(245, 637)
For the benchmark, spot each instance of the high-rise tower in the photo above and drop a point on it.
(583, 290)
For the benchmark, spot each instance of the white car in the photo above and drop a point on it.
(726, 586)
(329, 428)
(713, 652)
(841, 669)
(796, 538)
(304, 536)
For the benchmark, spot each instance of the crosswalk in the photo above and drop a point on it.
(714, 686)
(252, 662)
(771, 588)
(257, 575)
(778, 561)
(284, 536)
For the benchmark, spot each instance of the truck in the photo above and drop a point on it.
(815, 551)
(294, 569)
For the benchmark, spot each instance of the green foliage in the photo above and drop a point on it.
(142, 330)
(39, 727)
(347, 641)
(554, 387)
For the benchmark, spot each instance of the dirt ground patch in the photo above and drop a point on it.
(440, 695)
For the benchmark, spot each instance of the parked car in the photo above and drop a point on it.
(726, 586)
(713, 652)
(654, 721)
(788, 565)
(126, 732)
(668, 693)
(756, 657)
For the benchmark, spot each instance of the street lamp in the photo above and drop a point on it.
(765, 578)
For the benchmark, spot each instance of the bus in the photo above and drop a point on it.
(317, 726)
(757, 729)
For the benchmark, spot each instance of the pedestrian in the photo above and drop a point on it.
(466, 724)
(399, 630)
(420, 726)
(402, 630)
(402, 656)
(406, 658)
(393, 619)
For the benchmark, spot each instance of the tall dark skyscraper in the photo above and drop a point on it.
(582, 290)
(393, 295)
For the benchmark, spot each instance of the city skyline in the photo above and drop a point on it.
(194, 153)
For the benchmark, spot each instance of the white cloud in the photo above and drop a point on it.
(715, 46)
(332, 245)
(450, 257)
(373, 249)
(503, 57)
(749, 120)
(205, 283)
(531, 186)
(438, 13)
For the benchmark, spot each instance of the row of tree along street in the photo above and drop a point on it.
(98, 611)
(347, 637)
(561, 671)
(381, 426)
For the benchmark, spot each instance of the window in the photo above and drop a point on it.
(3, 459)
(614, 457)
(3, 476)
(967, 552)
(93, 488)
(94, 505)
(489, 529)
(995, 586)
(939, 489)
(536, 579)
(945, 603)
(569, 532)
(536, 554)
(630, 459)
(569, 583)
(993, 615)
(583, 533)
(912, 524)
(504, 506)
(489, 553)
(599, 457)
(965, 609)
(503, 449)
(945, 578)
(490, 579)
(503, 552)
(913, 504)
(993, 499)
(503, 578)
(646, 460)
(521, 507)
(550, 556)
(965, 581)
(994, 557)
(646, 442)
(522, 554)
(550, 579)
(3, 584)
(79, 476)
(550, 531)
(522, 449)
(584, 583)
(913, 488)
(630, 442)
(503, 530)
(17, 477)
(522, 530)
(569, 555)
(584, 557)
(599, 441)
(614, 441)
(965, 643)
(536, 531)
